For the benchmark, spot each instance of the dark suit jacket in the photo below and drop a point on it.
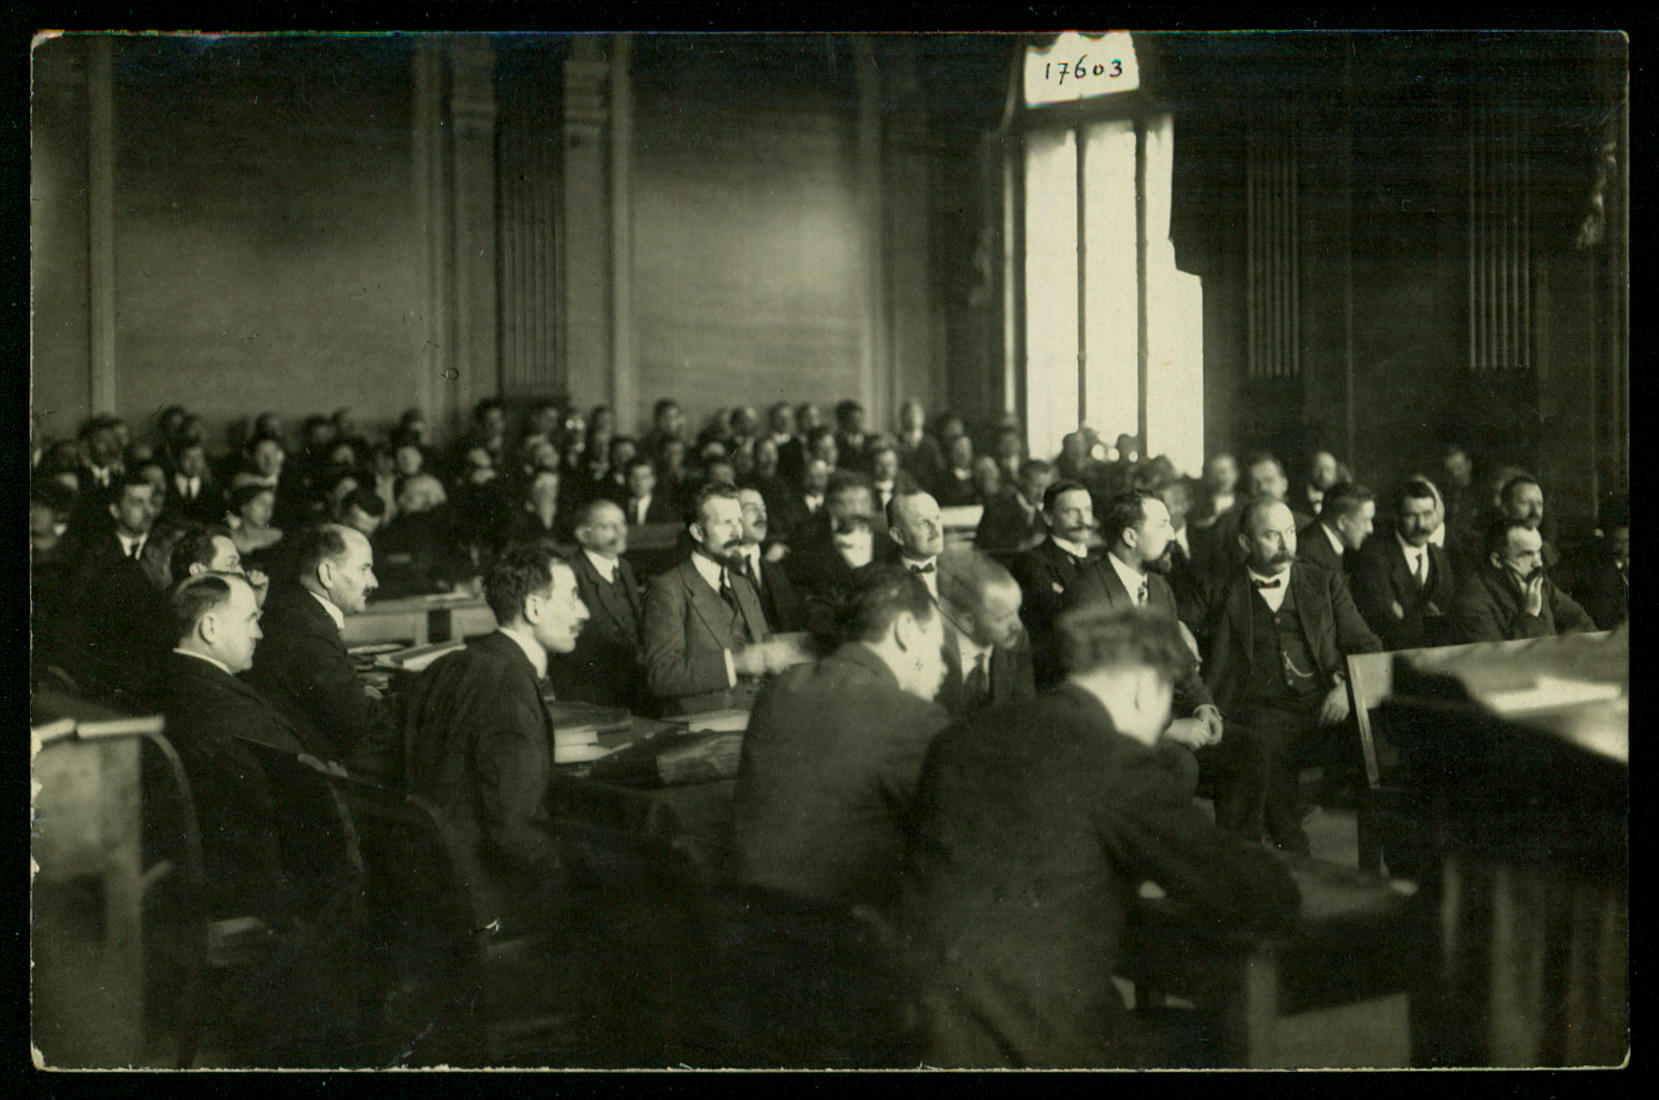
(1008, 526)
(479, 743)
(1332, 623)
(1313, 547)
(208, 507)
(1043, 573)
(923, 461)
(210, 714)
(1098, 582)
(685, 630)
(1008, 676)
(302, 666)
(120, 626)
(1594, 579)
(1380, 579)
(827, 773)
(1034, 826)
(660, 510)
(952, 492)
(1488, 609)
(606, 666)
(785, 609)
(417, 553)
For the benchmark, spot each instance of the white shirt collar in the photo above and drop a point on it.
(1075, 549)
(1273, 596)
(334, 613)
(1132, 581)
(813, 500)
(1412, 552)
(752, 552)
(1181, 540)
(605, 566)
(1335, 539)
(214, 661)
(128, 540)
(708, 569)
(532, 650)
(930, 578)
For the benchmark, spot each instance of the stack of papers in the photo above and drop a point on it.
(416, 658)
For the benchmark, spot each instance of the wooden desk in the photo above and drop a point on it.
(417, 620)
(87, 935)
(1359, 940)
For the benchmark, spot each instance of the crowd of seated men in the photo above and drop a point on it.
(948, 739)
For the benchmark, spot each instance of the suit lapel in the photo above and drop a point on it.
(1238, 610)
(748, 602)
(609, 596)
(1116, 594)
(707, 603)
(1309, 615)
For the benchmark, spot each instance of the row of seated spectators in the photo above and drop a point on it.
(138, 598)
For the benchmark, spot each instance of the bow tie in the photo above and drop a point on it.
(928, 568)
(1274, 583)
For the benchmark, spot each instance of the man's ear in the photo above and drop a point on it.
(207, 627)
(904, 631)
(115, 509)
(1244, 542)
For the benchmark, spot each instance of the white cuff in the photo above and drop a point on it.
(731, 668)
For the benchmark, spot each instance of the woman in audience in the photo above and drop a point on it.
(249, 520)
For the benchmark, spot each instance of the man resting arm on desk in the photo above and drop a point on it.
(1034, 825)
(479, 742)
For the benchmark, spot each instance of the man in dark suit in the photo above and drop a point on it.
(606, 666)
(1035, 824)
(1177, 495)
(196, 495)
(1274, 636)
(813, 563)
(1044, 571)
(210, 716)
(830, 759)
(785, 611)
(97, 474)
(886, 479)
(987, 654)
(303, 666)
(1263, 477)
(703, 628)
(1522, 500)
(1511, 595)
(642, 503)
(919, 453)
(1347, 513)
(210, 549)
(479, 741)
(1403, 583)
(118, 629)
(802, 520)
(1130, 575)
(850, 437)
(1014, 520)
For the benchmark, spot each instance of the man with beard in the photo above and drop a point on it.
(1522, 501)
(605, 667)
(1132, 574)
(987, 654)
(1274, 638)
(1045, 571)
(703, 628)
(1402, 582)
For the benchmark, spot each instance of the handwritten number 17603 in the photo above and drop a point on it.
(1081, 68)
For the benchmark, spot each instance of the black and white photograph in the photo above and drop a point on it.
(732, 550)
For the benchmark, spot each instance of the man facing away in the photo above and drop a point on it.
(833, 748)
(1034, 826)
(1347, 513)
(480, 743)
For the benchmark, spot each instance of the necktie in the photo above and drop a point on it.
(1422, 568)
(928, 568)
(751, 571)
(137, 548)
(729, 594)
(1274, 583)
(1140, 595)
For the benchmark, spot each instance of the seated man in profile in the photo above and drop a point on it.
(1034, 825)
(211, 550)
(606, 667)
(304, 668)
(833, 748)
(1014, 520)
(210, 713)
(987, 654)
(479, 740)
(1510, 595)
(420, 551)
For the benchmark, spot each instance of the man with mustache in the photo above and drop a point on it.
(1402, 582)
(1045, 571)
(761, 564)
(605, 667)
(1511, 596)
(1274, 636)
(703, 627)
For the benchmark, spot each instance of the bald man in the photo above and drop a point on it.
(1274, 634)
(987, 654)
(302, 664)
(606, 666)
